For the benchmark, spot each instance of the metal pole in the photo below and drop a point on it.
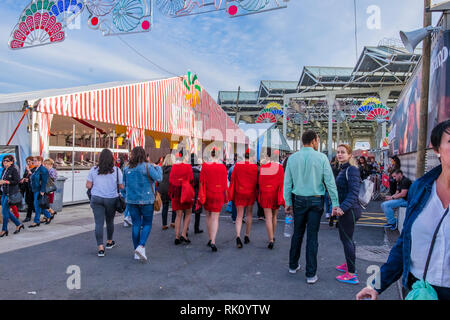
(236, 119)
(285, 103)
(423, 114)
(301, 134)
(73, 162)
(95, 144)
(338, 137)
(330, 101)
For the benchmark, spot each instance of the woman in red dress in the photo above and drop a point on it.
(181, 177)
(212, 194)
(242, 192)
(270, 191)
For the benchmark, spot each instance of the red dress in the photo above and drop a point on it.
(178, 173)
(213, 180)
(271, 186)
(242, 190)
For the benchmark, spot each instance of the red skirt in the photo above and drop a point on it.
(177, 205)
(214, 203)
(241, 200)
(268, 200)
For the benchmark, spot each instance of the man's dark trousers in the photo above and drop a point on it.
(307, 214)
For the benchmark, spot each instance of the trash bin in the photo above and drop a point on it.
(59, 193)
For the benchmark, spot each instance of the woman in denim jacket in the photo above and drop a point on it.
(39, 180)
(139, 179)
(428, 200)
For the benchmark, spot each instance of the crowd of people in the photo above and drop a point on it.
(301, 183)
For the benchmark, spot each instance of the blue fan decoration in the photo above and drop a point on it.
(365, 109)
(67, 10)
(170, 7)
(253, 5)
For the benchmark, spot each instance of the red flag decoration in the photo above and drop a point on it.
(385, 180)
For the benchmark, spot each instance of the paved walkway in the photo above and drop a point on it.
(41, 256)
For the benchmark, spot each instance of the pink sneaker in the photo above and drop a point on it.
(347, 278)
(342, 268)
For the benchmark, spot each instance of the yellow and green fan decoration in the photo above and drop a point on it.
(194, 89)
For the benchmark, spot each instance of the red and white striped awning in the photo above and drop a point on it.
(158, 106)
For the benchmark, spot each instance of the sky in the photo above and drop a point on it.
(225, 53)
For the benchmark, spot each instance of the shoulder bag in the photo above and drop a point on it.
(120, 204)
(158, 202)
(365, 191)
(421, 289)
(50, 187)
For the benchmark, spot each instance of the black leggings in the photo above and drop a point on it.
(346, 228)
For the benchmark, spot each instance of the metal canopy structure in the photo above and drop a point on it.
(380, 72)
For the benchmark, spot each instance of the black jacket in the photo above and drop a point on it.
(11, 175)
(348, 190)
(164, 185)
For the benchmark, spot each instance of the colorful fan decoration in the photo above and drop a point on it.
(266, 117)
(379, 112)
(194, 90)
(115, 17)
(43, 22)
(170, 7)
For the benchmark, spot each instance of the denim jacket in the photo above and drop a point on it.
(138, 189)
(39, 179)
(399, 261)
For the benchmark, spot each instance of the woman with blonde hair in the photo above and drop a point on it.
(348, 182)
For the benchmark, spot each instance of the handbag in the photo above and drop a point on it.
(158, 201)
(44, 203)
(50, 186)
(120, 203)
(365, 191)
(187, 192)
(15, 199)
(421, 289)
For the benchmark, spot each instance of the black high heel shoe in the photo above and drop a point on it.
(5, 233)
(18, 230)
(213, 248)
(34, 225)
(48, 220)
(183, 239)
(246, 240)
(238, 242)
(177, 241)
(209, 243)
(270, 246)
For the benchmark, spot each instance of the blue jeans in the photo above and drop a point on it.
(126, 213)
(389, 206)
(328, 206)
(307, 214)
(141, 214)
(7, 214)
(37, 209)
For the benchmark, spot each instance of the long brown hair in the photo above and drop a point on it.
(349, 149)
(138, 156)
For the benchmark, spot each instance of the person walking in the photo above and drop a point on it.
(213, 185)
(270, 192)
(348, 182)
(25, 185)
(422, 252)
(139, 180)
(164, 191)
(364, 168)
(53, 175)
(196, 171)
(243, 193)
(181, 181)
(9, 185)
(105, 182)
(306, 173)
(39, 180)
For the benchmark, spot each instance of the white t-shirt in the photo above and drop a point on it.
(422, 233)
(105, 185)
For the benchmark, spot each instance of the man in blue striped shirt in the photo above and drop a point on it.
(307, 173)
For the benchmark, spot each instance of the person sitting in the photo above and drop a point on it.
(399, 199)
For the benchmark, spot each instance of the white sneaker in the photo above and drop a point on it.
(136, 257)
(294, 271)
(127, 222)
(312, 280)
(140, 251)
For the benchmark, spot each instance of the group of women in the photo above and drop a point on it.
(33, 186)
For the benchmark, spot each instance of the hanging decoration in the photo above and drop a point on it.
(43, 22)
(116, 17)
(234, 8)
(266, 117)
(194, 89)
(379, 112)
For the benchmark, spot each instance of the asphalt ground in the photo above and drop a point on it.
(38, 269)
